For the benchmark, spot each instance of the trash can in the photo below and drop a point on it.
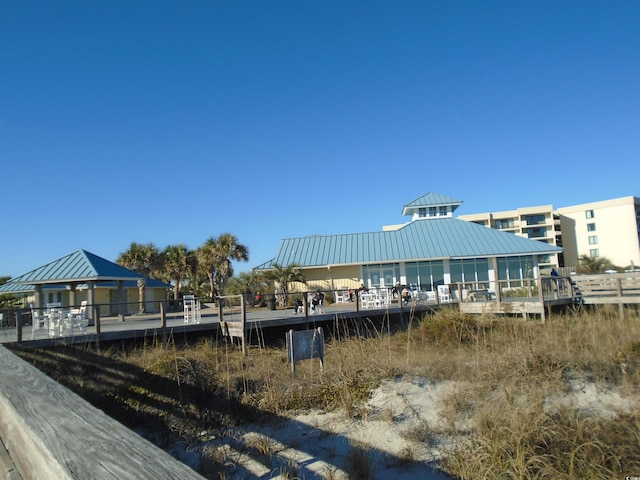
(271, 302)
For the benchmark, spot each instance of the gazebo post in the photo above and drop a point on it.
(123, 306)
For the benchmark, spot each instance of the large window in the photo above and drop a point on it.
(593, 239)
(589, 214)
(474, 272)
(504, 224)
(443, 210)
(514, 269)
(534, 219)
(381, 275)
(594, 252)
(537, 232)
(591, 227)
(425, 275)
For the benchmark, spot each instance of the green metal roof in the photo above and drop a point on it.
(77, 267)
(427, 239)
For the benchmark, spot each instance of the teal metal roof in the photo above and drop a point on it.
(16, 288)
(80, 266)
(23, 288)
(431, 200)
(419, 240)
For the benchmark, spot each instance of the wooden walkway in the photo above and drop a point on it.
(616, 288)
(76, 441)
(151, 325)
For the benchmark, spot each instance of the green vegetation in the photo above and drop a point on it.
(503, 418)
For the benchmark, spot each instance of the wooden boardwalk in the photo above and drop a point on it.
(49, 432)
(152, 325)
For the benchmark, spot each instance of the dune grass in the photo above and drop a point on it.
(502, 416)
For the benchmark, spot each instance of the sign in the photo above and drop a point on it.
(305, 345)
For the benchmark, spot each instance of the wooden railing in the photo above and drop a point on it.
(50, 432)
(617, 288)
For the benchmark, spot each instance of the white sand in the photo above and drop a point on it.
(318, 445)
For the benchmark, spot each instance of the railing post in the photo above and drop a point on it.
(19, 325)
(220, 314)
(96, 318)
(541, 297)
(243, 324)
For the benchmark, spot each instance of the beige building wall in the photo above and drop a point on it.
(330, 278)
(613, 225)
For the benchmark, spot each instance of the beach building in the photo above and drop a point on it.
(431, 249)
(608, 228)
(84, 276)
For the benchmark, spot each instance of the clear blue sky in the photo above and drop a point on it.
(172, 121)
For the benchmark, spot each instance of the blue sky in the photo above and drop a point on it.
(171, 122)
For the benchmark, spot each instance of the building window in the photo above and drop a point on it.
(432, 211)
(515, 270)
(425, 275)
(590, 214)
(591, 227)
(474, 272)
(504, 224)
(593, 239)
(536, 232)
(534, 219)
(443, 211)
(422, 212)
(594, 252)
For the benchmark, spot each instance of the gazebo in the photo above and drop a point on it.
(76, 269)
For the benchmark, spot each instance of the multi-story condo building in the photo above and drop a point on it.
(609, 228)
(536, 223)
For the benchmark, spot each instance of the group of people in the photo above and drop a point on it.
(402, 291)
(316, 300)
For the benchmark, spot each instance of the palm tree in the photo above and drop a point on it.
(283, 276)
(144, 260)
(176, 265)
(249, 284)
(215, 257)
(588, 264)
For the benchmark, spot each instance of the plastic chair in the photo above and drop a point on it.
(443, 294)
(191, 310)
(38, 320)
(77, 318)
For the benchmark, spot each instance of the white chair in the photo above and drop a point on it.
(77, 319)
(365, 300)
(340, 296)
(191, 310)
(55, 322)
(38, 320)
(444, 296)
